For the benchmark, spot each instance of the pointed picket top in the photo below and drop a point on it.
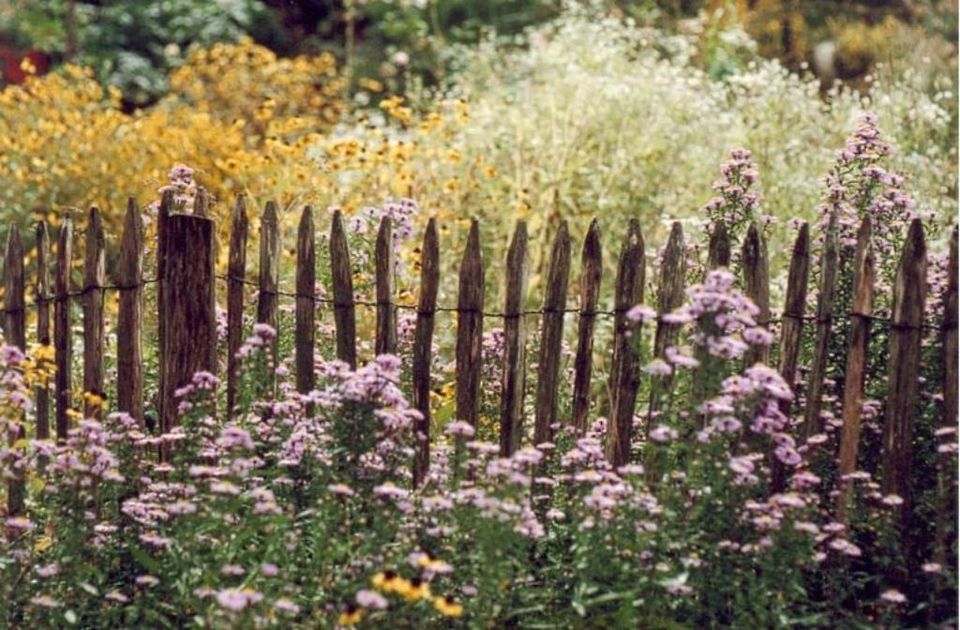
(718, 248)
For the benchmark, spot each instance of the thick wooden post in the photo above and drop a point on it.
(14, 328)
(423, 347)
(625, 372)
(551, 337)
(344, 307)
(756, 284)
(669, 297)
(130, 318)
(829, 267)
(514, 376)
(236, 273)
(591, 269)
(269, 282)
(63, 345)
(94, 273)
(386, 342)
(189, 301)
(43, 326)
(864, 275)
(909, 293)
(470, 328)
(306, 304)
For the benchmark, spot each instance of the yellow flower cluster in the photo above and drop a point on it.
(238, 115)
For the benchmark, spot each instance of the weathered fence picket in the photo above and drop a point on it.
(306, 308)
(470, 328)
(130, 316)
(669, 297)
(909, 294)
(856, 367)
(423, 346)
(42, 391)
(791, 332)
(756, 285)
(386, 342)
(591, 271)
(625, 370)
(14, 329)
(947, 496)
(268, 283)
(511, 403)
(94, 274)
(829, 268)
(551, 337)
(236, 270)
(344, 307)
(62, 322)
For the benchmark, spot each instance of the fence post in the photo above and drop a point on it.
(511, 401)
(856, 362)
(791, 332)
(14, 327)
(306, 304)
(43, 325)
(794, 310)
(94, 271)
(718, 249)
(62, 321)
(386, 342)
(236, 274)
(201, 203)
(756, 284)
(470, 328)
(591, 269)
(669, 298)
(15, 332)
(167, 204)
(344, 308)
(269, 281)
(551, 337)
(423, 347)
(625, 372)
(189, 304)
(947, 507)
(829, 266)
(130, 317)
(909, 292)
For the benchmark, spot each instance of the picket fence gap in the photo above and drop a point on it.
(187, 326)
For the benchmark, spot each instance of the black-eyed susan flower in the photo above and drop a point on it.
(390, 582)
(351, 616)
(447, 607)
(415, 589)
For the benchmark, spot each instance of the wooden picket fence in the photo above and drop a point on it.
(187, 323)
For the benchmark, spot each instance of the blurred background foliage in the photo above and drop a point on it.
(134, 44)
